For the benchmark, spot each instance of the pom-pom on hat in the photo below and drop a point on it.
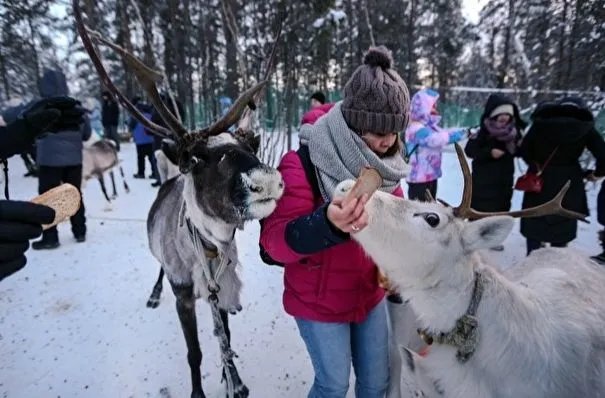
(376, 99)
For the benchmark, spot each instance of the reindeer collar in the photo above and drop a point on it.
(465, 335)
(210, 250)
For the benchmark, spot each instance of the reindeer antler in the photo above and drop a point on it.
(552, 207)
(246, 119)
(148, 79)
(145, 75)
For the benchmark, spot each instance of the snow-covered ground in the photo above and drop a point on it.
(74, 323)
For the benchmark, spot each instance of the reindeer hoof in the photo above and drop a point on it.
(234, 309)
(114, 197)
(240, 391)
(153, 302)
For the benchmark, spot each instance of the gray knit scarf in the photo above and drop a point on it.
(339, 154)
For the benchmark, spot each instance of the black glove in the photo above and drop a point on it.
(19, 222)
(70, 115)
(38, 118)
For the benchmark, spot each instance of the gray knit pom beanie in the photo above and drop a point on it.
(376, 98)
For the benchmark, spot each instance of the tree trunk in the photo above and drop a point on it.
(231, 84)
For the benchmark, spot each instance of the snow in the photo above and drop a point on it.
(73, 322)
(337, 15)
(318, 23)
(333, 14)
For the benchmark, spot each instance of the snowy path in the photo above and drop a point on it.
(73, 323)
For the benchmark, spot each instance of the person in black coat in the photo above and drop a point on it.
(59, 156)
(157, 119)
(492, 151)
(29, 156)
(110, 118)
(560, 131)
(21, 221)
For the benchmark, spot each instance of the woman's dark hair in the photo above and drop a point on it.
(394, 149)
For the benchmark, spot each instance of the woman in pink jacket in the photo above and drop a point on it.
(318, 108)
(331, 286)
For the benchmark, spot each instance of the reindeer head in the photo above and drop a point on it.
(223, 176)
(417, 242)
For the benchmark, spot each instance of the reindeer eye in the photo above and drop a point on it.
(431, 219)
(257, 189)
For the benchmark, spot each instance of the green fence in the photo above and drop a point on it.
(457, 111)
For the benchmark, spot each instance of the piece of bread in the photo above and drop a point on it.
(368, 182)
(64, 200)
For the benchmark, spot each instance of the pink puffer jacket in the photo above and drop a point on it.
(335, 284)
(311, 116)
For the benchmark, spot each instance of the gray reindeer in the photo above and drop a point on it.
(98, 158)
(191, 224)
(534, 330)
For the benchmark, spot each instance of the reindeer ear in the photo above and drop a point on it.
(487, 232)
(254, 143)
(169, 147)
(248, 138)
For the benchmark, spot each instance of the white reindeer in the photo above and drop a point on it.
(535, 330)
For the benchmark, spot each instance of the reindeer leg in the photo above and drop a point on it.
(113, 184)
(185, 308)
(126, 187)
(239, 389)
(102, 183)
(154, 299)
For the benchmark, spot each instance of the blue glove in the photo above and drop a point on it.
(456, 136)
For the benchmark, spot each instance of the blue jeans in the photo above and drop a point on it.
(334, 346)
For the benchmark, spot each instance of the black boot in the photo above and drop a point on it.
(600, 258)
(46, 243)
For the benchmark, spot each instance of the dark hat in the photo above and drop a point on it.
(376, 99)
(319, 96)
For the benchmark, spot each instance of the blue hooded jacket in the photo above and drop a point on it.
(64, 147)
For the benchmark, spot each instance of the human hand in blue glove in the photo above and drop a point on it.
(456, 136)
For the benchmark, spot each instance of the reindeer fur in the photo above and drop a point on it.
(166, 168)
(228, 188)
(99, 157)
(541, 321)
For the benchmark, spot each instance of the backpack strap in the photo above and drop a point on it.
(305, 159)
(407, 155)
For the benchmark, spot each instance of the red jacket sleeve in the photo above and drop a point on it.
(296, 201)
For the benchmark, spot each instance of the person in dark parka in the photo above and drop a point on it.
(59, 156)
(493, 149)
(29, 156)
(111, 118)
(560, 130)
